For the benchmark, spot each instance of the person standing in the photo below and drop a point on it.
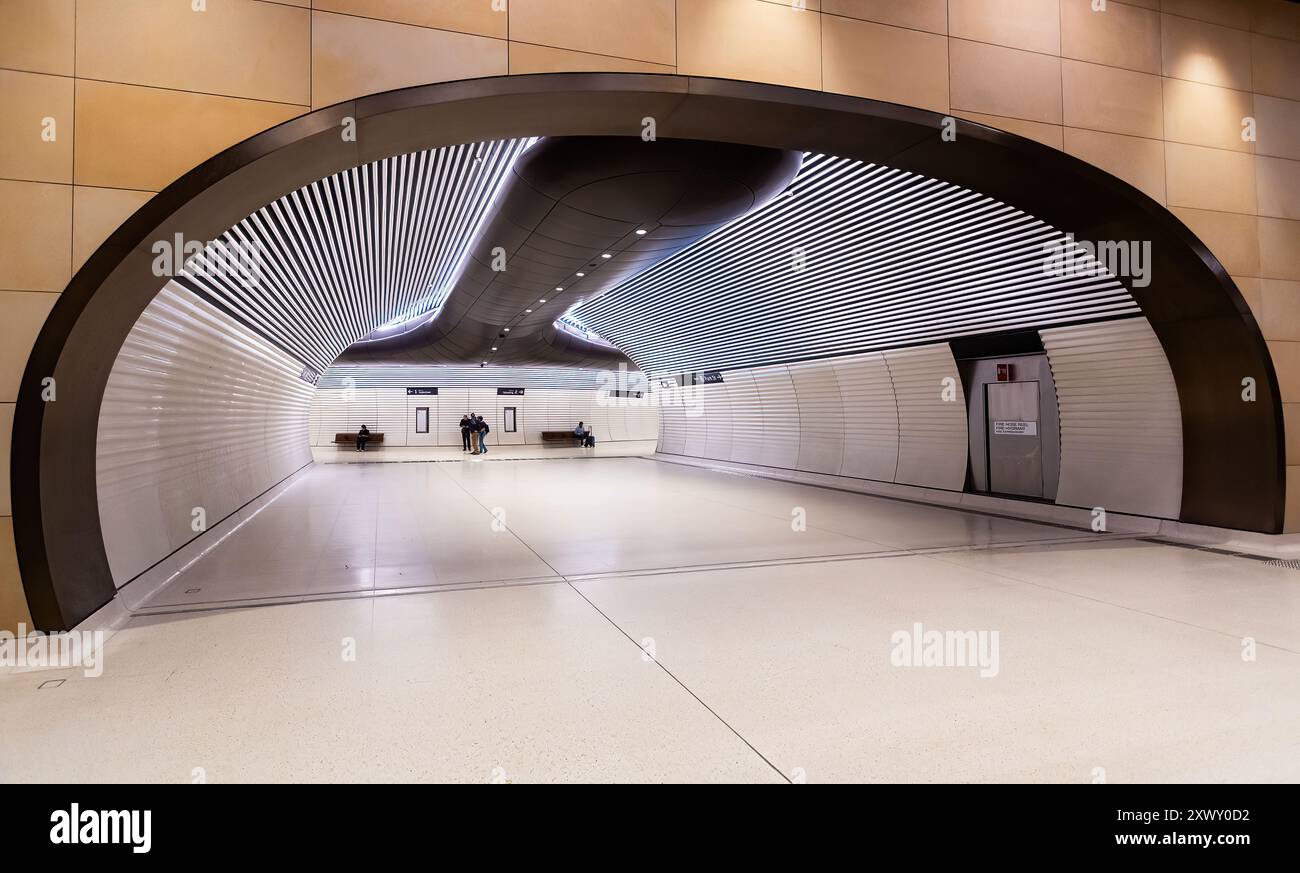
(464, 432)
(483, 431)
(473, 433)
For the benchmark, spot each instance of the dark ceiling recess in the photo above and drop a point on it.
(567, 204)
(992, 345)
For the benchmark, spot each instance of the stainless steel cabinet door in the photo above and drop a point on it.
(1015, 443)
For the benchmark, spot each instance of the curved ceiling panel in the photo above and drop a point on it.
(319, 268)
(857, 257)
(576, 217)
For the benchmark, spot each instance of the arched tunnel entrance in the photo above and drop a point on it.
(790, 239)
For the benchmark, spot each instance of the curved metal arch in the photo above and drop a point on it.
(1234, 462)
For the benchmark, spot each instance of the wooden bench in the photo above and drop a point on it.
(350, 439)
(559, 436)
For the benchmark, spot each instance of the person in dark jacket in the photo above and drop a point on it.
(464, 432)
(483, 431)
(363, 437)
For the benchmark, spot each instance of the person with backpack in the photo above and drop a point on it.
(483, 431)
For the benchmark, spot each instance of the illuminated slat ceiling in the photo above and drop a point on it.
(353, 251)
(889, 259)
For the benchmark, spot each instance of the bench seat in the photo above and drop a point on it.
(350, 439)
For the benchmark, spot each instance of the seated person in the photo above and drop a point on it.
(363, 436)
(583, 433)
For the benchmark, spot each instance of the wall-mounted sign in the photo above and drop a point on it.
(1015, 428)
(683, 380)
(421, 392)
(1004, 372)
(510, 392)
(309, 375)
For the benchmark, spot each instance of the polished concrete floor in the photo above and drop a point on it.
(405, 454)
(621, 618)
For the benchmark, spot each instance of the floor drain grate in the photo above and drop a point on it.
(193, 590)
(1287, 563)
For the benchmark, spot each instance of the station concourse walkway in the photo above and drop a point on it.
(569, 617)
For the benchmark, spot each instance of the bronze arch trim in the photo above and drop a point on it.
(1234, 463)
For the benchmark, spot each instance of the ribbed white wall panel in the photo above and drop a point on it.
(499, 436)
(328, 417)
(932, 437)
(672, 421)
(821, 418)
(1121, 423)
(390, 411)
(482, 401)
(873, 416)
(556, 413)
(641, 421)
(314, 423)
(610, 421)
(716, 402)
(408, 431)
(599, 417)
(870, 417)
(199, 412)
(697, 429)
(536, 420)
(627, 423)
(453, 403)
(746, 417)
(780, 417)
